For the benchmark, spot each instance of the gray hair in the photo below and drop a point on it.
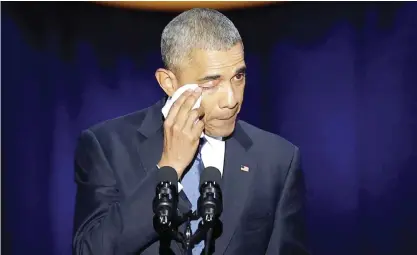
(198, 28)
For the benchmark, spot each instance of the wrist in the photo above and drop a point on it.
(163, 163)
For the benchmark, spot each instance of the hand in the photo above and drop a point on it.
(182, 129)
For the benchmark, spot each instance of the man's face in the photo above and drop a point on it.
(221, 75)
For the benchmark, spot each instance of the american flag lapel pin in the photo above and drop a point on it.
(244, 168)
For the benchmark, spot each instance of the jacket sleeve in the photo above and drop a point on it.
(289, 232)
(104, 223)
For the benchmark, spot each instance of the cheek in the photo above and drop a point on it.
(210, 100)
(209, 104)
(240, 90)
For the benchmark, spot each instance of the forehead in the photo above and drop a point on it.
(206, 61)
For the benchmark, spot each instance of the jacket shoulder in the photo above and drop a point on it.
(267, 139)
(130, 121)
(270, 148)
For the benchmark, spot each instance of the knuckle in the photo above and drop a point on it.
(168, 124)
(190, 100)
(194, 114)
(177, 104)
(176, 128)
(183, 97)
(186, 104)
(190, 137)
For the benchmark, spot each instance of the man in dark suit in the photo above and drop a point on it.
(117, 162)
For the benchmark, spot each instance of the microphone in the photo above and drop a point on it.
(210, 202)
(166, 197)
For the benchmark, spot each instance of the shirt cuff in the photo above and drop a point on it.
(180, 187)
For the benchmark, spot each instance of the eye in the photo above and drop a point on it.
(239, 76)
(209, 85)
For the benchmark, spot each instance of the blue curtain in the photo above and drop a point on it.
(339, 80)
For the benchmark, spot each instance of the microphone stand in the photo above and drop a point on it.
(205, 228)
(168, 231)
(208, 226)
(188, 236)
(187, 239)
(208, 240)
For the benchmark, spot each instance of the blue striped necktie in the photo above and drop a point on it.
(190, 184)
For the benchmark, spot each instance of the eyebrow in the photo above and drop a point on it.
(218, 76)
(241, 70)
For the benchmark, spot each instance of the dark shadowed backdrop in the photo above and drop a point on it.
(338, 80)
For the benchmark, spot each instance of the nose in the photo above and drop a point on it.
(228, 99)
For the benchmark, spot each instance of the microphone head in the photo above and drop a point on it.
(211, 174)
(168, 174)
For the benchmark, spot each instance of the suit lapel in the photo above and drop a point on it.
(150, 150)
(151, 136)
(239, 169)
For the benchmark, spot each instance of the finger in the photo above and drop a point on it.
(186, 107)
(191, 100)
(198, 128)
(176, 106)
(193, 116)
(200, 112)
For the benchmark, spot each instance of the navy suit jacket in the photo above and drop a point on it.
(115, 172)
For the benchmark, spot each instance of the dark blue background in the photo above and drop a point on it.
(339, 80)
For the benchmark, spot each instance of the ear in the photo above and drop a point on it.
(166, 80)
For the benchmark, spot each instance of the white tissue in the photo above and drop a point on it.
(176, 95)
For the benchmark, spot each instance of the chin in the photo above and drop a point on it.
(221, 130)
